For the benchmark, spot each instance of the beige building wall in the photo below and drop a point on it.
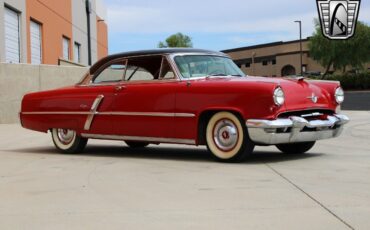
(283, 54)
(20, 79)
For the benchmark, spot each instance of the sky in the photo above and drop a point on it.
(212, 24)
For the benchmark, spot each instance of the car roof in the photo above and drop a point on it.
(152, 52)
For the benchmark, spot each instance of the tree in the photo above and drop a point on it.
(176, 40)
(339, 54)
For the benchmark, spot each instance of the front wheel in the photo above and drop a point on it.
(296, 148)
(67, 141)
(227, 138)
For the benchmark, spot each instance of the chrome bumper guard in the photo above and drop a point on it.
(295, 129)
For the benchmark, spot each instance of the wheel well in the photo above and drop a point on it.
(204, 117)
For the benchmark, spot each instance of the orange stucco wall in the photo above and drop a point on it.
(55, 17)
(102, 35)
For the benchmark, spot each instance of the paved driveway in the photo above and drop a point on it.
(176, 187)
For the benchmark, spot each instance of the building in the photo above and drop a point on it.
(275, 59)
(52, 31)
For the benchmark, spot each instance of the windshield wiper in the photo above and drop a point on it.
(223, 75)
(217, 75)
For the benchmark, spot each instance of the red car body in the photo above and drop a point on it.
(171, 110)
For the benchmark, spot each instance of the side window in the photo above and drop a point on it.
(137, 73)
(143, 68)
(166, 72)
(112, 73)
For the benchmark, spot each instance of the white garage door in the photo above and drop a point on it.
(36, 52)
(12, 41)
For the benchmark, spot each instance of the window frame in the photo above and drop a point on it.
(165, 58)
(65, 38)
(104, 67)
(32, 20)
(92, 76)
(178, 72)
(78, 45)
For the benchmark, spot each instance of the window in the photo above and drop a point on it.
(265, 62)
(77, 53)
(12, 38)
(143, 68)
(112, 73)
(166, 71)
(66, 48)
(304, 68)
(247, 65)
(36, 43)
(192, 66)
(274, 61)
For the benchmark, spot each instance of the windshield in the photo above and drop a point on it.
(192, 66)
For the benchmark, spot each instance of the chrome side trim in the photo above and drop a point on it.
(56, 113)
(148, 114)
(134, 138)
(93, 112)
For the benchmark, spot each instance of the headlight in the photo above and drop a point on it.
(339, 95)
(279, 97)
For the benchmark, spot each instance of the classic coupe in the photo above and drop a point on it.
(186, 96)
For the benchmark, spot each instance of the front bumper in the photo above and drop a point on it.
(295, 129)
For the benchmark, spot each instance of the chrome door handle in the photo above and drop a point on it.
(120, 87)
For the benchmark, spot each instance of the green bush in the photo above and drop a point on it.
(360, 81)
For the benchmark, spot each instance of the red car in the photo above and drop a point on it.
(186, 96)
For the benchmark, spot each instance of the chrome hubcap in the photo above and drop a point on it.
(66, 136)
(225, 135)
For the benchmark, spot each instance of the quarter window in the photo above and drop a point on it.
(113, 73)
(166, 72)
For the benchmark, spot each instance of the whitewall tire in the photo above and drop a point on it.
(67, 141)
(227, 138)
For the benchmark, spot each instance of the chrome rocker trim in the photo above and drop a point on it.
(133, 138)
(291, 130)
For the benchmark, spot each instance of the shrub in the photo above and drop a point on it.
(360, 81)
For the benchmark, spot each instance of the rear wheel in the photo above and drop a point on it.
(296, 148)
(67, 141)
(227, 138)
(136, 144)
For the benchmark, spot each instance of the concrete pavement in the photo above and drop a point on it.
(174, 187)
(357, 100)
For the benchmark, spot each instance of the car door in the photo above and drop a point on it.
(144, 106)
(101, 91)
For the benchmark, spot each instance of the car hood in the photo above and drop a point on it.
(299, 93)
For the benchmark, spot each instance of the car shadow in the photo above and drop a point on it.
(198, 154)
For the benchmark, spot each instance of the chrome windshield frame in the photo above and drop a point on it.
(176, 69)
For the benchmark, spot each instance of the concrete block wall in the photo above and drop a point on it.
(17, 80)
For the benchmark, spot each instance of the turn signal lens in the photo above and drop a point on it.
(339, 95)
(279, 97)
